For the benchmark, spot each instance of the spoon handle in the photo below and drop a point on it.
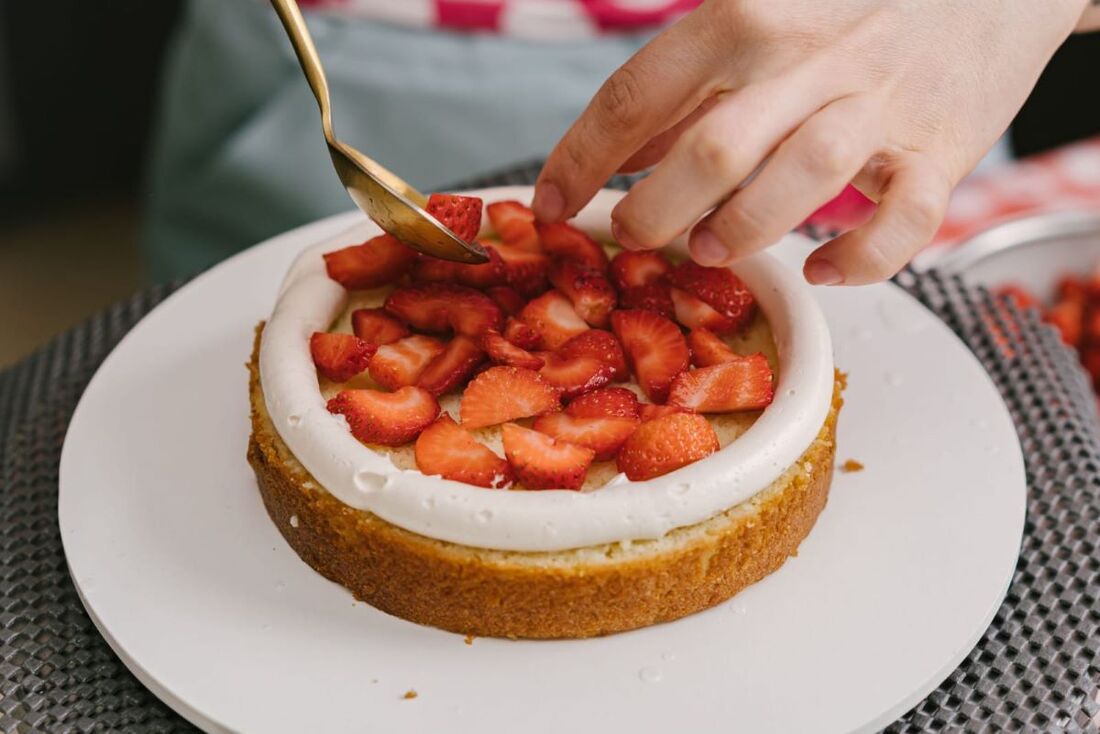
(296, 28)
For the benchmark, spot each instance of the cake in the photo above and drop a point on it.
(567, 441)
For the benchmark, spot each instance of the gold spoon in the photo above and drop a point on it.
(394, 205)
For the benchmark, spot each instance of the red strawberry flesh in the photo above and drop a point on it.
(339, 357)
(446, 449)
(386, 418)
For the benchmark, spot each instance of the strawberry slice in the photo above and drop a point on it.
(719, 288)
(608, 402)
(603, 435)
(591, 293)
(379, 261)
(666, 443)
(504, 393)
(552, 317)
(573, 376)
(507, 297)
(649, 411)
(566, 242)
(654, 347)
(655, 297)
(441, 306)
(339, 357)
(375, 326)
(1068, 318)
(637, 269)
(402, 362)
(460, 214)
(520, 334)
(694, 313)
(603, 346)
(1021, 297)
(514, 224)
(502, 351)
(540, 462)
(708, 349)
(446, 449)
(746, 383)
(483, 275)
(386, 418)
(452, 367)
(523, 270)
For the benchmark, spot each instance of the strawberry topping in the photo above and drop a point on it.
(523, 270)
(514, 224)
(573, 376)
(552, 317)
(591, 293)
(507, 297)
(599, 344)
(707, 348)
(387, 418)
(608, 402)
(719, 288)
(484, 275)
(379, 261)
(540, 462)
(666, 443)
(505, 393)
(638, 269)
(745, 383)
(655, 297)
(649, 411)
(447, 450)
(654, 347)
(452, 367)
(520, 334)
(694, 313)
(603, 435)
(402, 362)
(502, 351)
(339, 357)
(439, 307)
(566, 242)
(375, 326)
(460, 214)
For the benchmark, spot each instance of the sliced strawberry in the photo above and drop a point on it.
(654, 347)
(566, 242)
(387, 418)
(448, 450)
(637, 269)
(503, 393)
(502, 351)
(339, 357)
(1020, 296)
(484, 275)
(573, 376)
(719, 288)
(514, 224)
(707, 348)
(655, 297)
(379, 261)
(460, 214)
(603, 346)
(1072, 288)
(1068, 318)
(442, 306)
(375, 326)
(452, 367)
(520, 334)
(552, 317)
(402, 362)
(507, 297)
(649, 411)
(523, 270)
(694, 313)
(540, 462)
(746, 383)
(666, 443)
(608, 402)
(591, 293)
(603, 435)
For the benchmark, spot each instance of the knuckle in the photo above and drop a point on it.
(712, 155)
(620, 100)
(925, 209)
(740, 224)
(828, 155)
(877, 263)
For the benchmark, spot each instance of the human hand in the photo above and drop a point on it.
(900, 98)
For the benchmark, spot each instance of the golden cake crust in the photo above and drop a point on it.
(557, 594)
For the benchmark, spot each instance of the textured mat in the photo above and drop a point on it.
(1036, 669)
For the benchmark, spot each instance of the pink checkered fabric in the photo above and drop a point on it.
(535, 19)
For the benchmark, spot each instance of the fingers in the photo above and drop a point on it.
(660, 85)
(911, 210)
(807, 170)
(656, 148)
(715, 155)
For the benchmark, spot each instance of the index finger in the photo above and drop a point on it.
(655, 89)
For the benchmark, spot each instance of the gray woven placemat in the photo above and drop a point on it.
(1036, 669)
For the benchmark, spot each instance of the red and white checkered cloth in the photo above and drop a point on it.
(534, 19)
(1066, 178)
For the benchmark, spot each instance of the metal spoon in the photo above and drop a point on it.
(394, 205)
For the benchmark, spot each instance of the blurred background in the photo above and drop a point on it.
(89, 92)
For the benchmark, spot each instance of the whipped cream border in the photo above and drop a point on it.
(548, 520)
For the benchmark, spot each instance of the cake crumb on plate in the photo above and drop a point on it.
(851, 465)
(410, 694)
(469, 639)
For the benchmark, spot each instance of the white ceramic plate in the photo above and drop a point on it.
(182, 571)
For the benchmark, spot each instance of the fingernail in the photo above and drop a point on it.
(548, 203)
(707, 249)
(622, 237)
(822, 272)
